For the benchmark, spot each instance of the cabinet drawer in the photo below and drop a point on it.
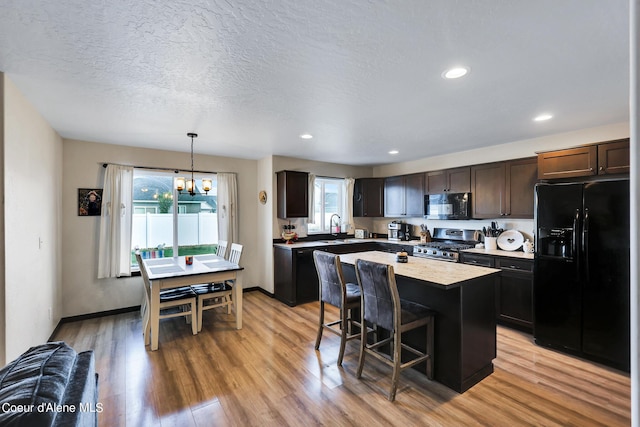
(526, 266)
(481, 260)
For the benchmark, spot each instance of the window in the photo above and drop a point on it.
(166, 222)
(328, 200)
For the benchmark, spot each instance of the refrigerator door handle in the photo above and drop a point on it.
(585, 242)
(576, 220)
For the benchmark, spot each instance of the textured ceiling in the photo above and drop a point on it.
(363, 77)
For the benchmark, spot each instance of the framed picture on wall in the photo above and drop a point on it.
(89, 201)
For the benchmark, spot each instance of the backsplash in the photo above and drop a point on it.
(525, 226)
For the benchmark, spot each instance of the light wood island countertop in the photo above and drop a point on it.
(440, 273)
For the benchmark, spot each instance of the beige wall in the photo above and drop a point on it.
(264, 227)
(83, 292)
(32, 224)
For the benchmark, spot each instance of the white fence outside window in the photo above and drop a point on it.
(151, 230)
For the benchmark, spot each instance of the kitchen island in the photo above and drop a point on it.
(463, 297)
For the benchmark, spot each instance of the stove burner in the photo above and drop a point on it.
(447, 248)
(446, 245)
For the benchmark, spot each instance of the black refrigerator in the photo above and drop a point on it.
(581, 270)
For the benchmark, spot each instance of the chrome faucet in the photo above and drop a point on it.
(331, 224)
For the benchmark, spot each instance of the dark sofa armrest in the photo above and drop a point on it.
(45, 387)
(82, 393)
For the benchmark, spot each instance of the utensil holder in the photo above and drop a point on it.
(490, 243)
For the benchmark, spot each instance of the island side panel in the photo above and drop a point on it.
(465, 341)
(448, 329)
(478, 329)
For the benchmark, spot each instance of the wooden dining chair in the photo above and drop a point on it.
(182, 300)
(382, 306)
(214, 295)
(222, 248)
(333, 290)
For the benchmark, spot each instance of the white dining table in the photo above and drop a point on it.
(168, 273)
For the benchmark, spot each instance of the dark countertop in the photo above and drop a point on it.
(347, 241)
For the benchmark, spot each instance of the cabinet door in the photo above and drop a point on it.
(436, 182)
(456, 180)
(414, 195)
(459, 180)
(488, 186)
(293, 194)
(574, 162)
(514, 300)
(373, 197)
(358, 197)
(284, 276)
(613, 157)
(307, 287)
(394, 196)
(368, 197)
(522, 176)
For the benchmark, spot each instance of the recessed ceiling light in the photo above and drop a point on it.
(542, 117)
(393, 152)
(455, 72)
(306, 136)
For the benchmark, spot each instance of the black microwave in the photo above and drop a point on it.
(447, 206)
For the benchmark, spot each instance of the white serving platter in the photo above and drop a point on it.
(510, 240)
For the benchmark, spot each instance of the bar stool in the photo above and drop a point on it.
(333, 290)
(382, 306)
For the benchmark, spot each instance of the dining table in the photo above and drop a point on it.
(169, 273)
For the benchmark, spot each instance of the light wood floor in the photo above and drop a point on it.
(268, 374)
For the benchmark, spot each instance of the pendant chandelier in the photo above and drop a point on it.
(190, 184)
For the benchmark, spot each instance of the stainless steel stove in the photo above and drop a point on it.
(446, 244)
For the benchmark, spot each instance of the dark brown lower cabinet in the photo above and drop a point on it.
(514, 293)
(295, 277)
(514, 288)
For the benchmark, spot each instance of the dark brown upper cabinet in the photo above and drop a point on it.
(456, 180)
(488, 190)
(293, 194)
(404, 195)
(504, 189)
(368, 197)
(603, 158)
(569, 163)
(613, 157)
(522, 176)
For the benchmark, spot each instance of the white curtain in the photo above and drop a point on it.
(347, 208)
(227, 207)
(114, 252)
(312, 191)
